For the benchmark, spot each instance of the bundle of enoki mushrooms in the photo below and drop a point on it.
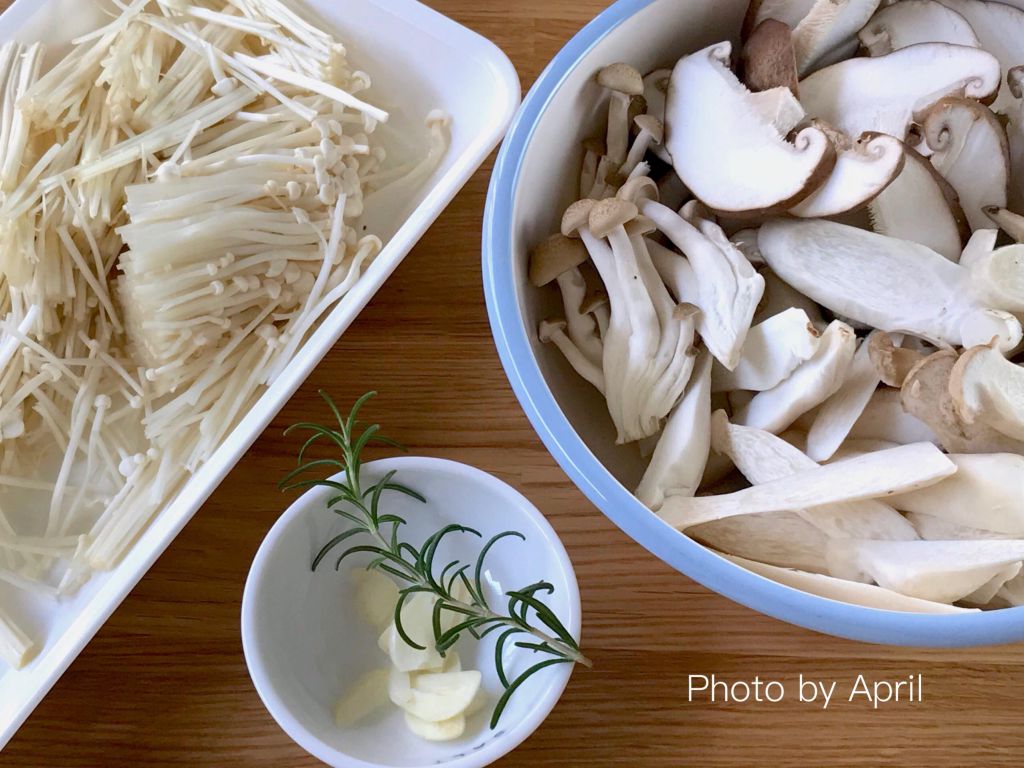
(180, 203)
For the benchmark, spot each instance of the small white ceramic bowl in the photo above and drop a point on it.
(305, 643)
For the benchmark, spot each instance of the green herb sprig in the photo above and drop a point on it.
(379, 535)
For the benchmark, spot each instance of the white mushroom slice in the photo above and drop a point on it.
(728, 287)
(921, 206)
(768, 60)
(845, 591)
(986, 492)
(857, 446)
(446, 730)
(997, 278)
(1000, 29)
(884, 93)
(884, 419)
(364, 698)
(875, 475)
(779, 108)
(988, 389)
(970, 150)
(911, 22)
(790, 12)
(376, 597)
(1013, 591)
(984, 594)
(928, 394)
(810, 384)
(889, 284)
(943, 571)
(780, 296)
(773, 350)
(762, 458)
(840, 412)
(682, 451)
(932, 528)
(828, 33)
(784, 539)
(725, 152)
(864, 168)
(746, 241)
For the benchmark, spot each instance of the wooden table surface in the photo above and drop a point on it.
(164, 682)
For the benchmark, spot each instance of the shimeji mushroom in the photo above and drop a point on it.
(558, 259)
(884, 93)
(987, 492)
(552, 331)
(762, 458)
(650, 133)
(943, 571)
(969, 148)
(593, 151)
(892, 363)
(863, 170)
(856, 593)
(728, 288)
(921, 206)
(622, 82)
(888, 284)
(773, 349)
(726, 152)
(810, 384)
(678, 461)
(838, 414)
(872, 476)
(988, 390)
(911, 22)
(767, 59)
(927, 395)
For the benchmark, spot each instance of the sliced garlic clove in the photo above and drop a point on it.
(376, 597)
(363, 699)
(417, 621)
(446, 730)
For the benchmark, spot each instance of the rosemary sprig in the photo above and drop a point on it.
(379, 534)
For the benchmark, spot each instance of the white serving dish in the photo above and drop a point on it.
(420, 60)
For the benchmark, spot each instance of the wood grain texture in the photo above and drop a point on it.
(164, 682)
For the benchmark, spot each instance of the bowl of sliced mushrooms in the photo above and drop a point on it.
(755, 271)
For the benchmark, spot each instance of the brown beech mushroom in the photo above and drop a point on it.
(622, 83)
(988, 389)
(883, 94)
(650, 133)
(970, 150)
(911, 22)
(767, 59)
(730, 157)
(552, 331)
(593, 152)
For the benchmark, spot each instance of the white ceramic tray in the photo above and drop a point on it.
(419, 60)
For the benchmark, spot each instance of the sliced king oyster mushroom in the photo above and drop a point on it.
(729, 156)
(912, 22)
(921, 206)
(884, 93)
(988, 389)
(969, 148)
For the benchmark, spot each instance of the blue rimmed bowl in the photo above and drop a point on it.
(533, 182)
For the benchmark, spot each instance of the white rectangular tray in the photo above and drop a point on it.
(419, 60)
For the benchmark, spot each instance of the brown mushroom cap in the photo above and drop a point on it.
(651, 125)
(640, 226)
(556, 255)
(893, 364)
(594, 301)
(768, 60)
(637, 107)
(576, 217)
(609, 214)
(685, 311)
(548, 328)
(622, 78)
(639, 188)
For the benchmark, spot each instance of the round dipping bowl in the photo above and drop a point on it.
(306, 644)
(534, 181)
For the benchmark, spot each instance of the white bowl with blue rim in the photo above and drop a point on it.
(534, 181)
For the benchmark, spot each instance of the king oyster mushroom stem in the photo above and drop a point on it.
(767, 59)
(912, 22)
(726, 152)
(781, 539)
(888, 284)
(728, 287)
(872, 476)
(884, 93)
(892, 363)
(885, 420)
(838, 414)
(864, 169)
(763, 458)
(927, 395)
(921, 206)
(988, 389)
(970, 150)
(856, 593)
(552, 331)
(943, 571)
(558, 259)
(828, 33)
(622, 83)
(981, 244)
(997, 277)
(1011, 223)
(678, 462)
(773, 350)
(933, 528)
(810, 384)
